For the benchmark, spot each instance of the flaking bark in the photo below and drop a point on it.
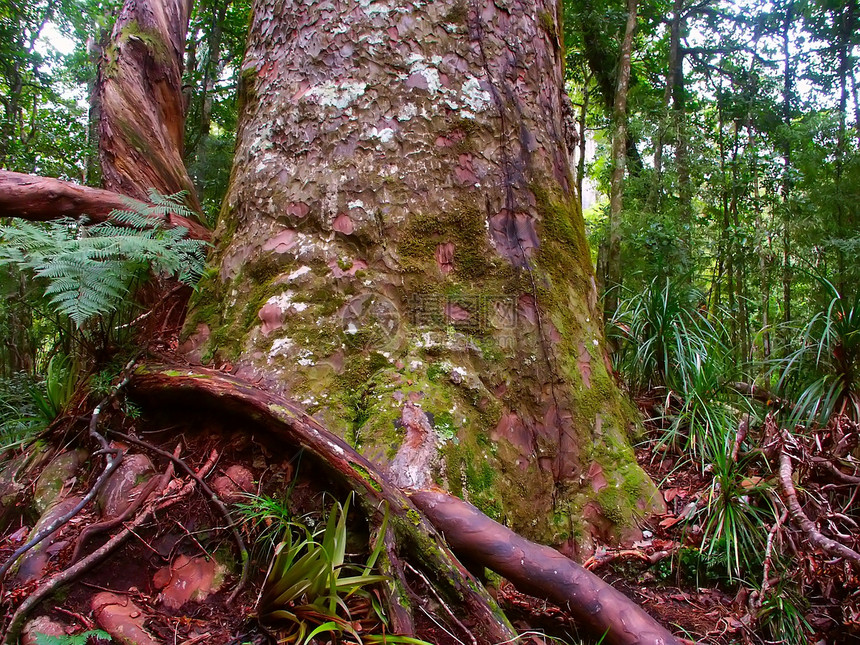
(142, 116)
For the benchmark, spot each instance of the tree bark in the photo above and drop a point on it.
(619, 147)
(541, 571)
(142, 112)
(685, 193)
(402, 226)
(787, 90)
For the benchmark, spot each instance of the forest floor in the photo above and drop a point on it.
(145, 585)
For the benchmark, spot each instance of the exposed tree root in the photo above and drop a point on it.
(100, 527)
(113, 462)
(538, 570)
(541, 571)
(65, 576)
(412, 533)
(815, 537)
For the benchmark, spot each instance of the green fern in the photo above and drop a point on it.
(90, 270)
(76, 639)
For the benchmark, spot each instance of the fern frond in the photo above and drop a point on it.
(90, 270)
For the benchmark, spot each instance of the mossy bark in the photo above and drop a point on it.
(402, 227)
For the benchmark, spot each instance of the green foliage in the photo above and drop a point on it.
(90, 270)
(61, 379)
(820, 376)
(782, 615)
(268, 517)
(28, 406)
(737, 509)
(662, 336)
(310, 582)
(84, 638)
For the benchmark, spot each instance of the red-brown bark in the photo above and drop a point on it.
(541, 571)
(41, 199)
(414, 536)
(142, 116)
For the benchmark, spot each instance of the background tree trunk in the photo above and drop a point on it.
(142, 113)
(619, 147)
(402, 227)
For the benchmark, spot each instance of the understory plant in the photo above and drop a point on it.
(737, 509)
(27, 406)
(666, 343)
(820, 376)
(312, 588)
(89, 270)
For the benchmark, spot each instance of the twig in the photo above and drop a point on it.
(830, 467)
(796, 511)
(101, 527)
(213, 497)
(442, 603)
(67, 575)
(743, 429)
(768, 558)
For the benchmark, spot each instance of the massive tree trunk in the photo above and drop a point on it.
(402, 227)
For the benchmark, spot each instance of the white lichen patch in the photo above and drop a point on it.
(337, 94)
(298, 273)
(417, 65)
(280, 346)
(284, 301)
(407, 111)
(305, 358)
(473, 96)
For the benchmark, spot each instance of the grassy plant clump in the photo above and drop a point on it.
(28, 406)
(820, 376)
(311, 588)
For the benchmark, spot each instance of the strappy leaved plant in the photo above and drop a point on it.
(820, 376)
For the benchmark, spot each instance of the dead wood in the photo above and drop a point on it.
(40, 199)
(815, 537)
(541, 571)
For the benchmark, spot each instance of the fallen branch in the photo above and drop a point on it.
(834, 470)
(541, 571)
(41, 199)
(768, 559)
(65, 576)
(815, 537)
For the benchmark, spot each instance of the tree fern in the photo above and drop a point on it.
(89, 270)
